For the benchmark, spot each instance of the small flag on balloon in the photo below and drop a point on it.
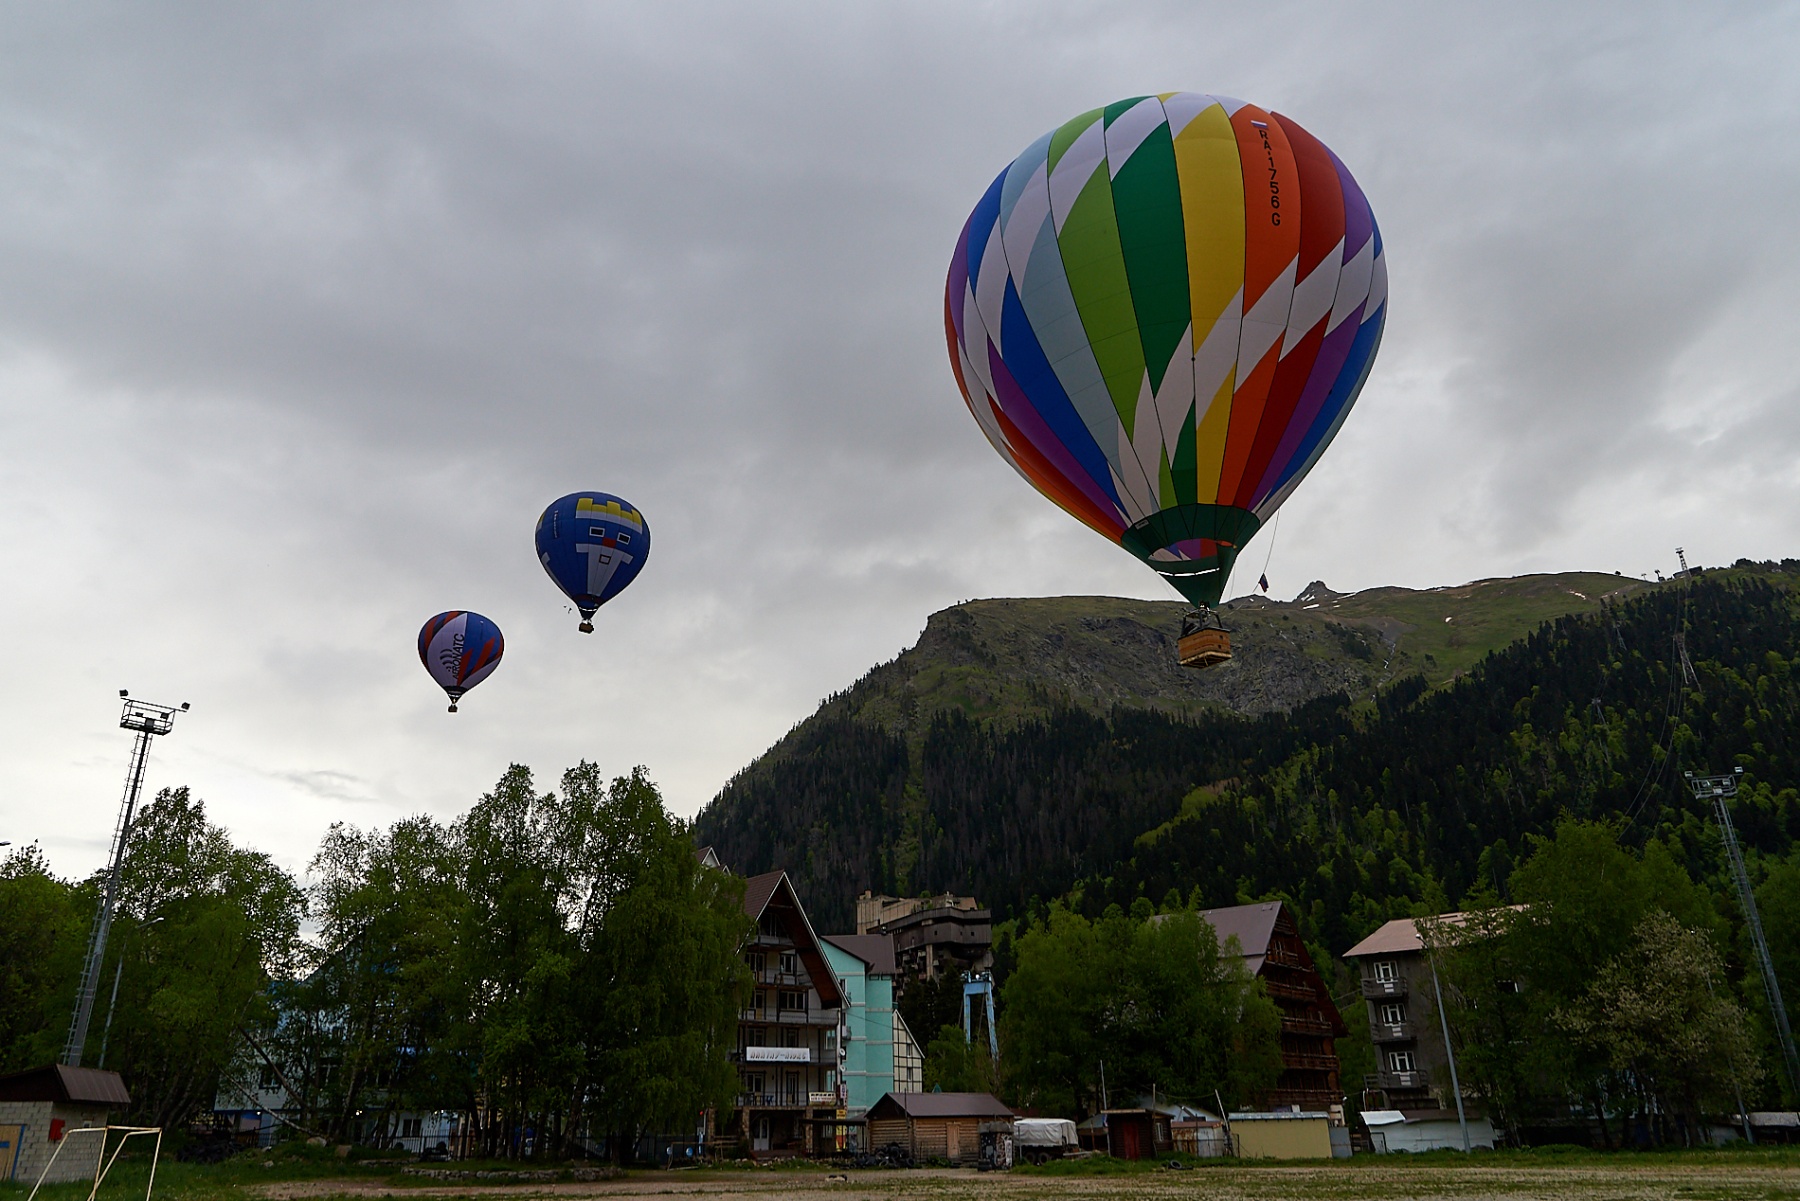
(1263, 583)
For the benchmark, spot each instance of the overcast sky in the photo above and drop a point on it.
(307, 310)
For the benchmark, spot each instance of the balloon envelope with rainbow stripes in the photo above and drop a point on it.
(1160, 314)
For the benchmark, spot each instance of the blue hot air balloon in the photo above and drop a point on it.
(593, 544)
(460, 649)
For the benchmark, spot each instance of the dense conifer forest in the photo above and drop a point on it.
(1355, 811)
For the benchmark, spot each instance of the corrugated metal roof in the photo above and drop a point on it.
(940, 1105)
(876, 950)
(59, 1082)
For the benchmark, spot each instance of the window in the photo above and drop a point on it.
(410, 1127)
(1508, 986)
(755, 1036)
(1387, 970)
(1393, 1013)
(762, 1000)
(753, 1082)
(269, 1081)
(790, 1037)
(1400, 1061)
(790, 963)
(792, 998)
(754, 961)
(770, 926)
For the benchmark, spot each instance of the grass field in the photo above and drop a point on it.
(1725, 1175)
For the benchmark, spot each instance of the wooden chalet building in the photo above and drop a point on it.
(1310, 1022)
(788, 1053)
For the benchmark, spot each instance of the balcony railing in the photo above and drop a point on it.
(1289, 989)
(790, 1017)
(1374, 989)
(1392, 1032)
(1296, 1024)
(1396, 1080)
(1309, 1061)
(784, 1099)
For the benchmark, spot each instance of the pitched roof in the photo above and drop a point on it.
(940, 1105)
(1252, 925)
(758, 890)
(60, 1082)
(1401, 936)
(875, 950)
(775, 888)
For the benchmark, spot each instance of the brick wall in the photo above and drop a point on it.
(78, 1158)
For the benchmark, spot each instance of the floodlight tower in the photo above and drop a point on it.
(147, 721)
(1719, 789)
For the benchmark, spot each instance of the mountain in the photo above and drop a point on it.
(1361, 751)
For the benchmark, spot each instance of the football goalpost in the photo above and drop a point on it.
(102, 1162)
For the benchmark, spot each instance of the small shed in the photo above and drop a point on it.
(1138, 1133)
(1425, 1130)
(38, 1109)
(937, 1125)
(1294, 1134)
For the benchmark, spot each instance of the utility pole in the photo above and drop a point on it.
(1462, 1119)
(147, 721)
(1718, 790)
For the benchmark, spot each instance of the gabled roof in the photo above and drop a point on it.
(60, 1082)
(875, 950)
(707, 856)
(775, 889)
(939, 1105)
(1401, 936)
(1252, 925)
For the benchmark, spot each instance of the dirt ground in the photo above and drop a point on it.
(1624, 1181)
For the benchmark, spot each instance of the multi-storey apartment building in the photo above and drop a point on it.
(789, 1052)
(932, 935)
(1270, 942)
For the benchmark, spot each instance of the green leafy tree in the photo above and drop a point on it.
(956, 1065)
(386, 990)
(662, 974)
(1778, 901)
(203, 924)
(1156, 1001)
(43, 930)
(1654, 1013)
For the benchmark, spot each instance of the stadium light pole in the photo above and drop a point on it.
(147, 721)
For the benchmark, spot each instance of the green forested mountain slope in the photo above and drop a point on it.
(1029, 748)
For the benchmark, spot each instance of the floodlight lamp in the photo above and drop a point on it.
(1737, 771)
(123, 692)
(184, 709)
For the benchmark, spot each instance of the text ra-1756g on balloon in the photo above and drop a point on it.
(1160, 315)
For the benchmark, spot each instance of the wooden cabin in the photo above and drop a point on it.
(936, 1125)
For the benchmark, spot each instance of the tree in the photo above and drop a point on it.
(662, 976)
(956, 1065)
(1154, 999)
(43, 929)
(202, 925)
(1778, 900)
(1654, 1013)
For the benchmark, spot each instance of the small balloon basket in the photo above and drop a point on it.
(1204, 641)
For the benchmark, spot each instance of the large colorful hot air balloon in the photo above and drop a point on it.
(1160, 314)
(460, 649)
(593, 544)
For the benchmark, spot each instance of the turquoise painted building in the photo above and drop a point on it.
(880, 1055)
